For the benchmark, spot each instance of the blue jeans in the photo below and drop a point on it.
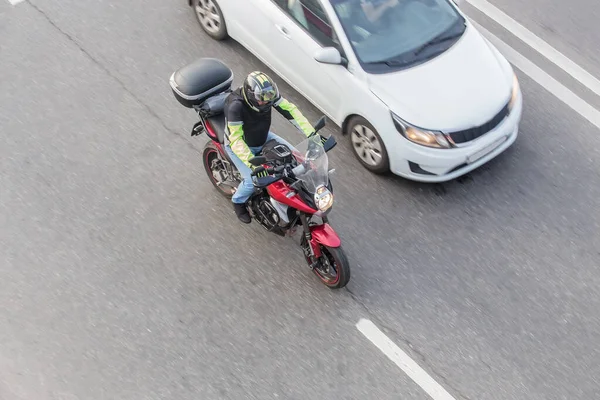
(246, 188)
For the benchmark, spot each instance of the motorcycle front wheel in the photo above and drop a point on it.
(333, 268)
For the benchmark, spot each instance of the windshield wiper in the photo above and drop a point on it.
(436, 40)
(391, 62)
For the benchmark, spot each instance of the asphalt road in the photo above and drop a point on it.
(570, 26)
(124, 275)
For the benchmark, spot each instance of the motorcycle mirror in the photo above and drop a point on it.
(320, 123)
(258, 160)
(329, 143)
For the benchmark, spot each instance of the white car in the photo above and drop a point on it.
(420, 91)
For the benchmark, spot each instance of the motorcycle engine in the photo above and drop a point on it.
(265, 213)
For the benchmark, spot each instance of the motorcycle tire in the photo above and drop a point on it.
(209, 154)
(340, 264)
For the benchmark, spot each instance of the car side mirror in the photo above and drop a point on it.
(320, 124)
(258, 160)
(328, 55)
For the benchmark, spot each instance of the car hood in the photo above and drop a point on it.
(461, 88)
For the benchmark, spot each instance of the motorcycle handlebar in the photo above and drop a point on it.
(270, 171)
(299, 169)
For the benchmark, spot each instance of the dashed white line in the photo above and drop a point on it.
(15, 2)
(402, 360)
(531, 39)
(542, 78)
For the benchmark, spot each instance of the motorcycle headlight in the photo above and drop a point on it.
(421, 136)
(515, 92)
(323, 198)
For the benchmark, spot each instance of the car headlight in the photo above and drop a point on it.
(421, 136)
(323, 198)
(515, 92)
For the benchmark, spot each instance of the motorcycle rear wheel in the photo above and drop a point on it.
(215, 169)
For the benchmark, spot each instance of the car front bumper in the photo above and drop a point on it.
(423, 164)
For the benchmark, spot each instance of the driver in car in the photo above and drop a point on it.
(365, 17)
(248, 121)
(374, 9)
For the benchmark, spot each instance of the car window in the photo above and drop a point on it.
(312, 17)
(403, 33)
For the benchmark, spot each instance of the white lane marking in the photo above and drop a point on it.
(402, 360)
(15, 2)
(538, 44)
(545, 80)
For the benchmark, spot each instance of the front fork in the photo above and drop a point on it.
(313, 250)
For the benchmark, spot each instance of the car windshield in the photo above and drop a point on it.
(398, 33)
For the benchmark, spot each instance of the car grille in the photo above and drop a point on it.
(467, 135)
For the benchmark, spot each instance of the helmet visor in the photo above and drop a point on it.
(264, 96)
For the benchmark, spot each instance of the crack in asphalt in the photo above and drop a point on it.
(149, 109)
(111, 75)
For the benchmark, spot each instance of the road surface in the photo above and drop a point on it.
(124, 274)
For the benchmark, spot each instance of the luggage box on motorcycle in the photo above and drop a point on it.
(194, 83)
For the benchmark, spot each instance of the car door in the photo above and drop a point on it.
(299, 29)
(253, 26)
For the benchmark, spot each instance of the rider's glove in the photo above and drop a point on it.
(262, 174)
(323, 139)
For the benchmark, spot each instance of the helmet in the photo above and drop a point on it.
(259, 91)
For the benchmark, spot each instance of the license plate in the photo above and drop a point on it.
(485, 151)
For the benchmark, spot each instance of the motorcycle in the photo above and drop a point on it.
(296, 189)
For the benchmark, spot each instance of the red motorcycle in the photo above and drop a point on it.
(296, 189)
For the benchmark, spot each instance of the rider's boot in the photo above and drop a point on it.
(242, 212)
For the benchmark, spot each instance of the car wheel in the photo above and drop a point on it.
(368, 146)
(211, 19)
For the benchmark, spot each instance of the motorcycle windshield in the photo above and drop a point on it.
(315, 163)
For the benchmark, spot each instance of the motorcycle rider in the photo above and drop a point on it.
(248, 122)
